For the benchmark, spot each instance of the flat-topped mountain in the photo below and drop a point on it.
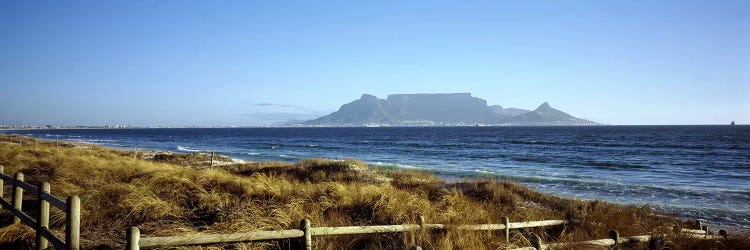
(455, 109)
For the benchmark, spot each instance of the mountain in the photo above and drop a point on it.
(509, 111)
(368, 109)
(454, 109)
(546, 115)
(441, 108)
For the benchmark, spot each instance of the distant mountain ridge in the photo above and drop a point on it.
(453, 109)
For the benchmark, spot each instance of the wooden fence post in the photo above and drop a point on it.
(506, 222)
(420, 222)
(133, 235)
(306, 237)
(17, 196)
(73, 223)
(2, 171)
(43, 218)
(614, 235)
(536, 241)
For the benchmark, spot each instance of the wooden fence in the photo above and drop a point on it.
(44, 236)
(305, 233)
(615, 239)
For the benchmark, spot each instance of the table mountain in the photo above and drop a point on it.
(455, 109)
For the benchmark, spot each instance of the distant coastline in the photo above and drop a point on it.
(25, 127)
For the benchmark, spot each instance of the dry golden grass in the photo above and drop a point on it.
(181, 197)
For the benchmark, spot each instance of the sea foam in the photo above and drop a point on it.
(186, 149)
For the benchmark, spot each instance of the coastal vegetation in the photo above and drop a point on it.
(167, 194)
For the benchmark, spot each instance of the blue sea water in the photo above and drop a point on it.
(700, 172)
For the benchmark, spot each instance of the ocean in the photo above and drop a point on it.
(700, 172)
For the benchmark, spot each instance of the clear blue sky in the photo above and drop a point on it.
(252, 62)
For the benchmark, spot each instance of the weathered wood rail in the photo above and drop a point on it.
(615, 239)
(40, 224)
(305, 233)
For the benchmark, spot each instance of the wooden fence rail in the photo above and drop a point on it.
(306, 232)
(615, 239)
(40, 224)
(538, 245)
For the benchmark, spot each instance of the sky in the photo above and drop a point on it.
(254, 63)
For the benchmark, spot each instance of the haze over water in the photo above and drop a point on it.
(695, 171)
